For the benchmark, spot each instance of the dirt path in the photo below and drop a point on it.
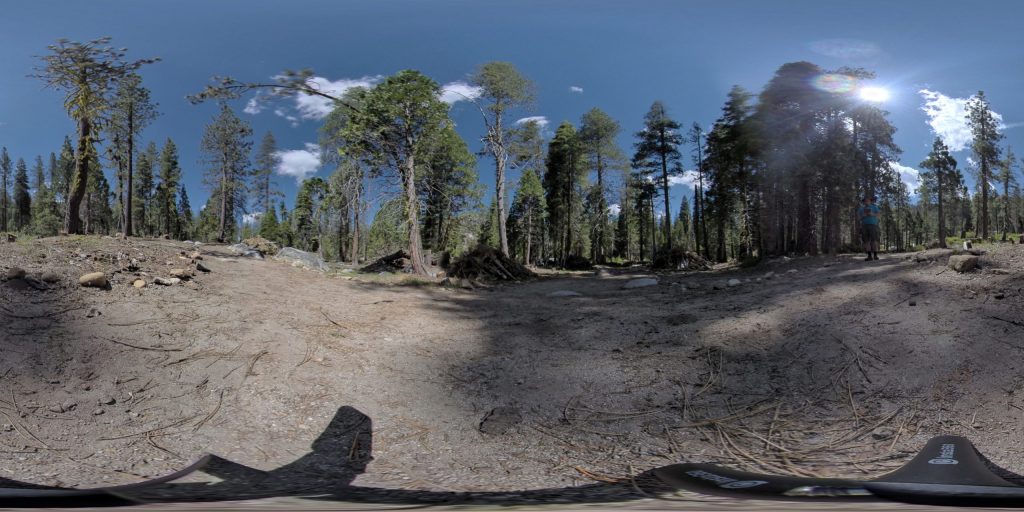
(832, 367)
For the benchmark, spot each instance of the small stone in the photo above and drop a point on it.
(50, 277)
(913, 303)
(15, 273)
(999, 296)
(791, 271)
(166, 282)
(7, 427)
(109, 400)
(202, 268)
(93, 313)
(97, 412)
(733, 282)
(882, 433)
(180, 273)
(640, 283)
(769, 275)
(94, 279)
(139, 283)
(195, 255)
(68, 405)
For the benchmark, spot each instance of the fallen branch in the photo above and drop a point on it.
(140, 347)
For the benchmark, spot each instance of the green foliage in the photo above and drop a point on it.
(597, 136)
(448, 186)
(264, 188)
(305, 217)
(144, 185)
(388, 232)
(165, 200)
(5, 183)
(269, 227)
(45, 214)
(563, 191)
(185, 222)
(657, 155)
(22, 199)
(528, 216)
(226, 145)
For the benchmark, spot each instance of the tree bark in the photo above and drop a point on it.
(223, 199)
(664, 188)
(128, 228)
(72, 220)
(498, 144)
(412, 213)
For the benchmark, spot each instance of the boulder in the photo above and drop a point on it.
(166, 282)
(300, 258)
(139, 283)
(94, 279)
(963, 262)
(640, 283)
(734, 282)
(15, 273)
(202, 268)
(262, 245)
(245, 251)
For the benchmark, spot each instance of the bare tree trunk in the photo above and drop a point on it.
(128, 228)
(984, 198)
(223, 200)
(664, 188)
(500, 156)
(412, 214)
(355, 226)
(529, 235)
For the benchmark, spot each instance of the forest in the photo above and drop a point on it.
(780, 172)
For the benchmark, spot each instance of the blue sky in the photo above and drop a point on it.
(616, 55)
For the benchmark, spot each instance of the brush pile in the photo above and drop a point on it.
(486, 263)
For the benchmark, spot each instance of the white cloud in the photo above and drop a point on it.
(299, 163)
(251, 218)
(687, 179)
(576, 89)
(614, 209)
(317, 107)
(948, 118)
(909, 175)
(541, 121)
(253, 106)
(459, 91)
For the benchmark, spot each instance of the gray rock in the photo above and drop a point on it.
(640, 283)
(94, 279)
(769, 275)
(50, 277)
(791, 271)
(963, 262)
(15, 273)
(245, 251)
(202, 268)
(565, 293)
(166, 282)
(7, 427)
(300, 258)
(97, 412)
(734, 282)
(109, 400)
(180, 273)
(68, 405)
(500, 420)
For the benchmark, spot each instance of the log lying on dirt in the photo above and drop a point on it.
(398, 261)
(488, 264)
(680, 259)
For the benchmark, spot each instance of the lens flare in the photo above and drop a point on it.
(874, 94)
(834, 83)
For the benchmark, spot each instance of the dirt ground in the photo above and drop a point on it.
(813, 366)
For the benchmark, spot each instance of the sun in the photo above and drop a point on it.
(874, 94)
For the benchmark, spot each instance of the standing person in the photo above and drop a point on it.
(868, 215)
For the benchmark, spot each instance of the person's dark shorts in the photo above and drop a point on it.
(869, 233)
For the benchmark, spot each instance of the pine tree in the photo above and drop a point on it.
(448, 187)
(1007, 177)
(131, 111)
(144, 185)
(941, 167)
(563, 191)
(226, 144)
(528, 210)
(170, 178)
(269, 226)
(5, 180)
(45, 216)
(185, 223)
(597, 136)
(657, 154)
(22, 198)
(267, 160)
(985, 146)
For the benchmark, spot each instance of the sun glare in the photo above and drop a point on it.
(874, 94)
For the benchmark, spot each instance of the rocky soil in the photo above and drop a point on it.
(817, 366)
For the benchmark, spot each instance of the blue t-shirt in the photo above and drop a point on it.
(863, 211)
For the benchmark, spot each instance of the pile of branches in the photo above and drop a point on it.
(487, 263)
(680, 259)
(399, 261)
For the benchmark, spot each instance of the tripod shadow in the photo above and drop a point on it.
(338, 456)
